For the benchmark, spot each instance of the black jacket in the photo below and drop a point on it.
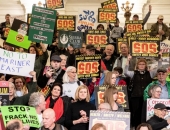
(109, 63)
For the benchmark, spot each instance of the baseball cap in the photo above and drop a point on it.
(90, 47)
(162, 70)
(160, 17)
(161, 106)
(55, 58)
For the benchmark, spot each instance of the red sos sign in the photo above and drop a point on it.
(134, 27)
(100, 96)
(65, 23)
(139, 47)
(88, 67)
(110, 6)
(107, 16)
(96, 39)
(121, 98)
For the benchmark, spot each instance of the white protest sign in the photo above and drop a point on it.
(16, 63)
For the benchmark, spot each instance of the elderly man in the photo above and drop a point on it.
(5, 27)
(157, 121)
(160, 29)
(104, 107)
(49, 121)
(14, 124)
(161, 75)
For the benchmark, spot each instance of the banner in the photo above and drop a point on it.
(88, 66)
(68, 38)
(54, 4)
(122, 95)
(16, 63)
(97, 37)
(29, 18)
(86, 20)
(144, 46)
(18, 34)
(4, 93)
(42, 25)
(107, 15)
(133, 26)
(112, 120)
(66, 22)
(27, 114)
(119, 42)
(110, 4)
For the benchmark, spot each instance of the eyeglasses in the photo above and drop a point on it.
(160, 19)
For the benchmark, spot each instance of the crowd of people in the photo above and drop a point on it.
(68, 102)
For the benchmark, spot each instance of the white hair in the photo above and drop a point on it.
(11, 84)
(65, 76)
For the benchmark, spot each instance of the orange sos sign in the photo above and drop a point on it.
(143, 47)
(61, 23)
(134, 27)
(96, 39)
(110, 6)
(107, 16)
(87, 67)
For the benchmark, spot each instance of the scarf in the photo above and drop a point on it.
(58, 107)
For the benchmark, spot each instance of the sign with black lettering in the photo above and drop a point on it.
(119, 42)
(107, 15)
(66, 22)
(28, 115)
(4, 93)
(111, 120)
(122, 95)
(99, 38)
(54, 4)
(88, 66)
(141, 33)
(133, 26)
(144, 46)
(110, 4)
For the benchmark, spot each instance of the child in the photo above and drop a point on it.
(119, 78)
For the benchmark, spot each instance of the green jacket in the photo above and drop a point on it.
(145, 96)
(155, 29)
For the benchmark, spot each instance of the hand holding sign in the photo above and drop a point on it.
(49, 73)
(83, 113)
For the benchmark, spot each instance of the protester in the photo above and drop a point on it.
(4, 26)
(144, 126)
(82, 50)
(100, 27)
(104, 107)
(14, 124)
(63, 62)
(99, 126)
(120, 80)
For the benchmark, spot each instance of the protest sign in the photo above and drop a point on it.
(110, 119)
(110, 4)
(42, 25)
(18, 34)
(27, 114)
(54, 4)
(119, 42)
(133, 26)
(97, 37)
(66, 22)
(88, 66)
(86, 20)
(144, 46)
(29, 18)
(16, 63)
(107, 15)
(4, 93)
(122, 95)
(68, 38)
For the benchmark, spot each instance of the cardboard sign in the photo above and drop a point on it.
(112, 120)
(107, 15)
(27, 114)
(133, 26)
(119, 42)
(4, 93)
(66, 22)
(88, 66)
(29, 18)
(18, 35)
(42, 25)
(68, 38)
(97, 37)
(110, 4)
(54, 4)
(144, 46)
(122, 95)
(16, 63)
(86, 20)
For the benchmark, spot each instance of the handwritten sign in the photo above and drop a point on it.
(97, 37)
(54, 4)
(119, 42)
(110, 119)
(42, 24)
(88, 66)
(16, 63)
(27, 114)
(133, 26)
(110, 4)
(144, 46)
(86, 20)
(67, 22)
(4, 93)
(107, 15)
